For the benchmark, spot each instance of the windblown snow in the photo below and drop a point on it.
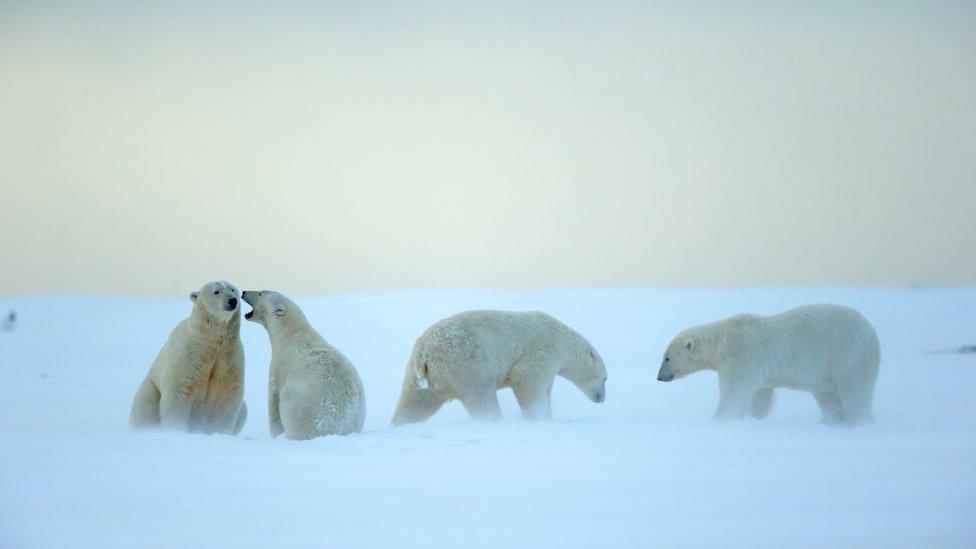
(646, 468)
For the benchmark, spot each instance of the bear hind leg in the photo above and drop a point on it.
(416, 404)
(482, 405)
(145, 406)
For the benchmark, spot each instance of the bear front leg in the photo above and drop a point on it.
(274, 412)
(241, 419)
(228, 412)
(856, 404)
(832, 413)
(301, 414)
(174, 411)
(762, 403)
(737, 389)
(535, 400)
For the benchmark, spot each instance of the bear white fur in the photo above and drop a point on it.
(313, 390)
(196, 383)
(471, 355)
(830, 351)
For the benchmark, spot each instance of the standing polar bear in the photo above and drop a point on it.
(313, 390)
(471, 355)
(828, 350)
(196, 383)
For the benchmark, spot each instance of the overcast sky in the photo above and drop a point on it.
(146, 149)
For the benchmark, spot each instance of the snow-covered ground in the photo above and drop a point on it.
(647, 468)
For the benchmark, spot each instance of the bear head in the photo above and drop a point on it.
(219, 299)
(682, 357)
(270, 309)
(588, 373)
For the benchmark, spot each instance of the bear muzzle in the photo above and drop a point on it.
(665, 373)
(247, 298)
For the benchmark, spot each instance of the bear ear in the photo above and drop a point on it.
(193, 296)
(279, 311)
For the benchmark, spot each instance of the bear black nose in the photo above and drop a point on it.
(233, 303)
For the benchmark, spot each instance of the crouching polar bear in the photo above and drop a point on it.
(313, 390)
(196, 383)
(471, 355)
(828, 350)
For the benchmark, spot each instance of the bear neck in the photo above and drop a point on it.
(726, 346)
(575, 369)
(214, 330)
(294, 326)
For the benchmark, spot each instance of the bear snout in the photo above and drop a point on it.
(232, 304)
(665, 373)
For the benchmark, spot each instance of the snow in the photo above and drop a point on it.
(645, 468)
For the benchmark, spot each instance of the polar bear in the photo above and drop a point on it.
(830, 351)
(196, 383)
(471, 355)
(313, 390)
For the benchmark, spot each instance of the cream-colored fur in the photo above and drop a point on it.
(196, 383)
(830, 351)
(471, 355)
(313, 390)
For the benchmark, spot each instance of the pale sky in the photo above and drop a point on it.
(146, 149)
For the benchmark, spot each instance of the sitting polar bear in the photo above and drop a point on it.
(471, 355)
(313, 390)
(196, 383)
(828, 350)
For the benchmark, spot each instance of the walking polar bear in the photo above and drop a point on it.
(471, 355)
(313, 390)
(196, 383)
(828, 350)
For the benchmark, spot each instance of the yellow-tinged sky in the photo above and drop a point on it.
(145, 149)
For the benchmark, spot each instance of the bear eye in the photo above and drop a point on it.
(667, 359)
(216, 292)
